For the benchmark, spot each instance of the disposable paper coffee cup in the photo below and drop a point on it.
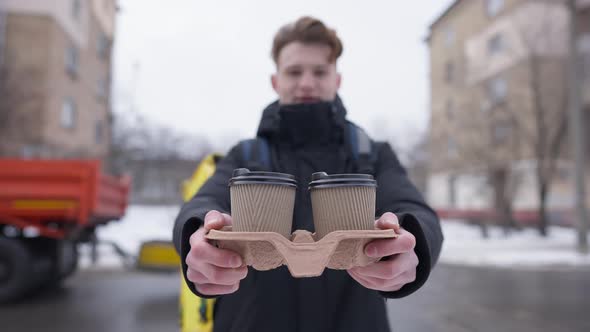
(262, 201)
(342, 202)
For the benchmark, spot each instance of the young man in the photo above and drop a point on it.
(307, 132)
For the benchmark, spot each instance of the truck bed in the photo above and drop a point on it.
(75, 192)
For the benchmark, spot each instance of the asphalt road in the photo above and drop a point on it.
(461, 299)
(456, 298)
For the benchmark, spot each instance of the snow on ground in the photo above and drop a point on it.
(141, 223)
(463, 243)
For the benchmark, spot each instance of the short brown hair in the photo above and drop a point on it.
(307, 30)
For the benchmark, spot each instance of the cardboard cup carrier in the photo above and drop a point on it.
(262, 211)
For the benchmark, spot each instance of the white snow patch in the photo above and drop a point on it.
(140, 223)
(463, 243)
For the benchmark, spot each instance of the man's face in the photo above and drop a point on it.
(305, 74)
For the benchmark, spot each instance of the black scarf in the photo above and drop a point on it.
(310, 123)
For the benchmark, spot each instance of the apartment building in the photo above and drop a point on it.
(498, 82)
(55, 62)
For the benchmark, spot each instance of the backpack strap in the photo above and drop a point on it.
(256, 154)
(256, 151)
(363, 152)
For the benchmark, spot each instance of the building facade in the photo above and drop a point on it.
(499, 88)
(56, 77)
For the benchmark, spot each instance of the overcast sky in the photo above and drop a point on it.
(203, 67)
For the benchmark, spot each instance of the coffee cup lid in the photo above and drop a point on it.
(323, 180)
(245, 176)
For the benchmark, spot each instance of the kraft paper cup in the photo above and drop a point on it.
(342, 202)
(262, 201)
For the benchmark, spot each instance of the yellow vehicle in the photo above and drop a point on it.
(196, 314)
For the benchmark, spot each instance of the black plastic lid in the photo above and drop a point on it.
(323, 180)
(245, 176)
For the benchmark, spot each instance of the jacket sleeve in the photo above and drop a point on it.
(213, 195)
(395, 193)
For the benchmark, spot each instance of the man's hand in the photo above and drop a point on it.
(399, 269)
(214, 271)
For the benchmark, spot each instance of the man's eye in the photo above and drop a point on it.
(294, 73)
(319, 73)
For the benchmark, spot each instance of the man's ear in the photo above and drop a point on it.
(273, 81)
(338, 80)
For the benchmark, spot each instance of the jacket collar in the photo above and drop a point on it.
(275, 124)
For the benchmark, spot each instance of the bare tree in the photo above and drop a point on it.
(418, 161)
(483, 138)
(157, 158)
(544, 42)
(136, 138)
(532, 111)
(410, 145)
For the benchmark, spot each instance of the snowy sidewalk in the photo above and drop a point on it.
(463, 243)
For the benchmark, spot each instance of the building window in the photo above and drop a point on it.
(485, 106)
(497, 90)
(493, 7)
(99, 132)
(496, 44)
(102, 88)
(68, 114)
(450, 110)
(76, 8)
(501, 132)
(452, 190)
(72, 60)
(449, 36)
(28, 151)
(103, 46)
(450, 72)
(452, 149)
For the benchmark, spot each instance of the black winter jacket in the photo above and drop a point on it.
(304, 142)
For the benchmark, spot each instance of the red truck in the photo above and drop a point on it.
(48, 207)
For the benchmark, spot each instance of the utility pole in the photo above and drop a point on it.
(576, 129)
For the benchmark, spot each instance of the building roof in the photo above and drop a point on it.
(582, 4)
(440, 17)
(444, 13)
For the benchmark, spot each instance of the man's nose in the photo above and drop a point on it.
(307, 81)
